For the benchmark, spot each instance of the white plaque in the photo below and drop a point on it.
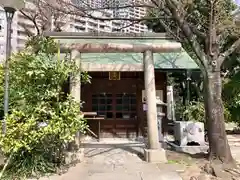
(144, 107)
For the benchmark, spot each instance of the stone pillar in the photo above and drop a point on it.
(154, 153)
(170, 104)
(75, 86)
(75, 82)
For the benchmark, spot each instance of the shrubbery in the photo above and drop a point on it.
(195, 111)
(42, 117)
(231, 95)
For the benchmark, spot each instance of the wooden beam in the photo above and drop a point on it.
(122, 48)
(98, 67)
(124, 67)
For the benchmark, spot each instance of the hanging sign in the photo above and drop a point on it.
(114, 75)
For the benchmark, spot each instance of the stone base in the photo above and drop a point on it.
(189, 149)
(155, 155)
(72, 157)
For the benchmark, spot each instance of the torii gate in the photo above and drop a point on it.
(154, 151)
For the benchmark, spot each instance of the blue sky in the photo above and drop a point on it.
(237, 2)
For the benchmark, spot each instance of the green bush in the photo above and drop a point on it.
(195, 111)
(231, 95)
(42, 117)
(37, 138)
(179, 110)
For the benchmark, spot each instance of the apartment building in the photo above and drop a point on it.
(19, 35)
(88, 3)
(22, 28)
(3, 34)
(46, 21)
(25, 27)
(113, 9)
(132, 12)
(74, 23)
(86, 24)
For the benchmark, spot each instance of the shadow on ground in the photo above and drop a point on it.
(133, 148)
(138, 150)
(233, 132)
(195, 156)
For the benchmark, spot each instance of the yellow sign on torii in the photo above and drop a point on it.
(114, 75)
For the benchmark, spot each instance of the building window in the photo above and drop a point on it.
(1, 49)
(92, 24)
(115, 106)
(102, 104)
(1, 21)
(125, 106)
(116, 30)
(79, 29)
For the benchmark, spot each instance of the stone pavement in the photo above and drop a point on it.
(116, 162)
(111, 161)
(234, 142)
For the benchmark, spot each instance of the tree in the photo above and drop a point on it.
(44, 16)
(43, 118)
(203, 27)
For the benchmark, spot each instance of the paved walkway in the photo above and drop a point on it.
(234, 142)
(116, 162)
(111, 161)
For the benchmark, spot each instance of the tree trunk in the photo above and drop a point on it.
(218, 143)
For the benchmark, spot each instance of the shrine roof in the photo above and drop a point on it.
(130, 61)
